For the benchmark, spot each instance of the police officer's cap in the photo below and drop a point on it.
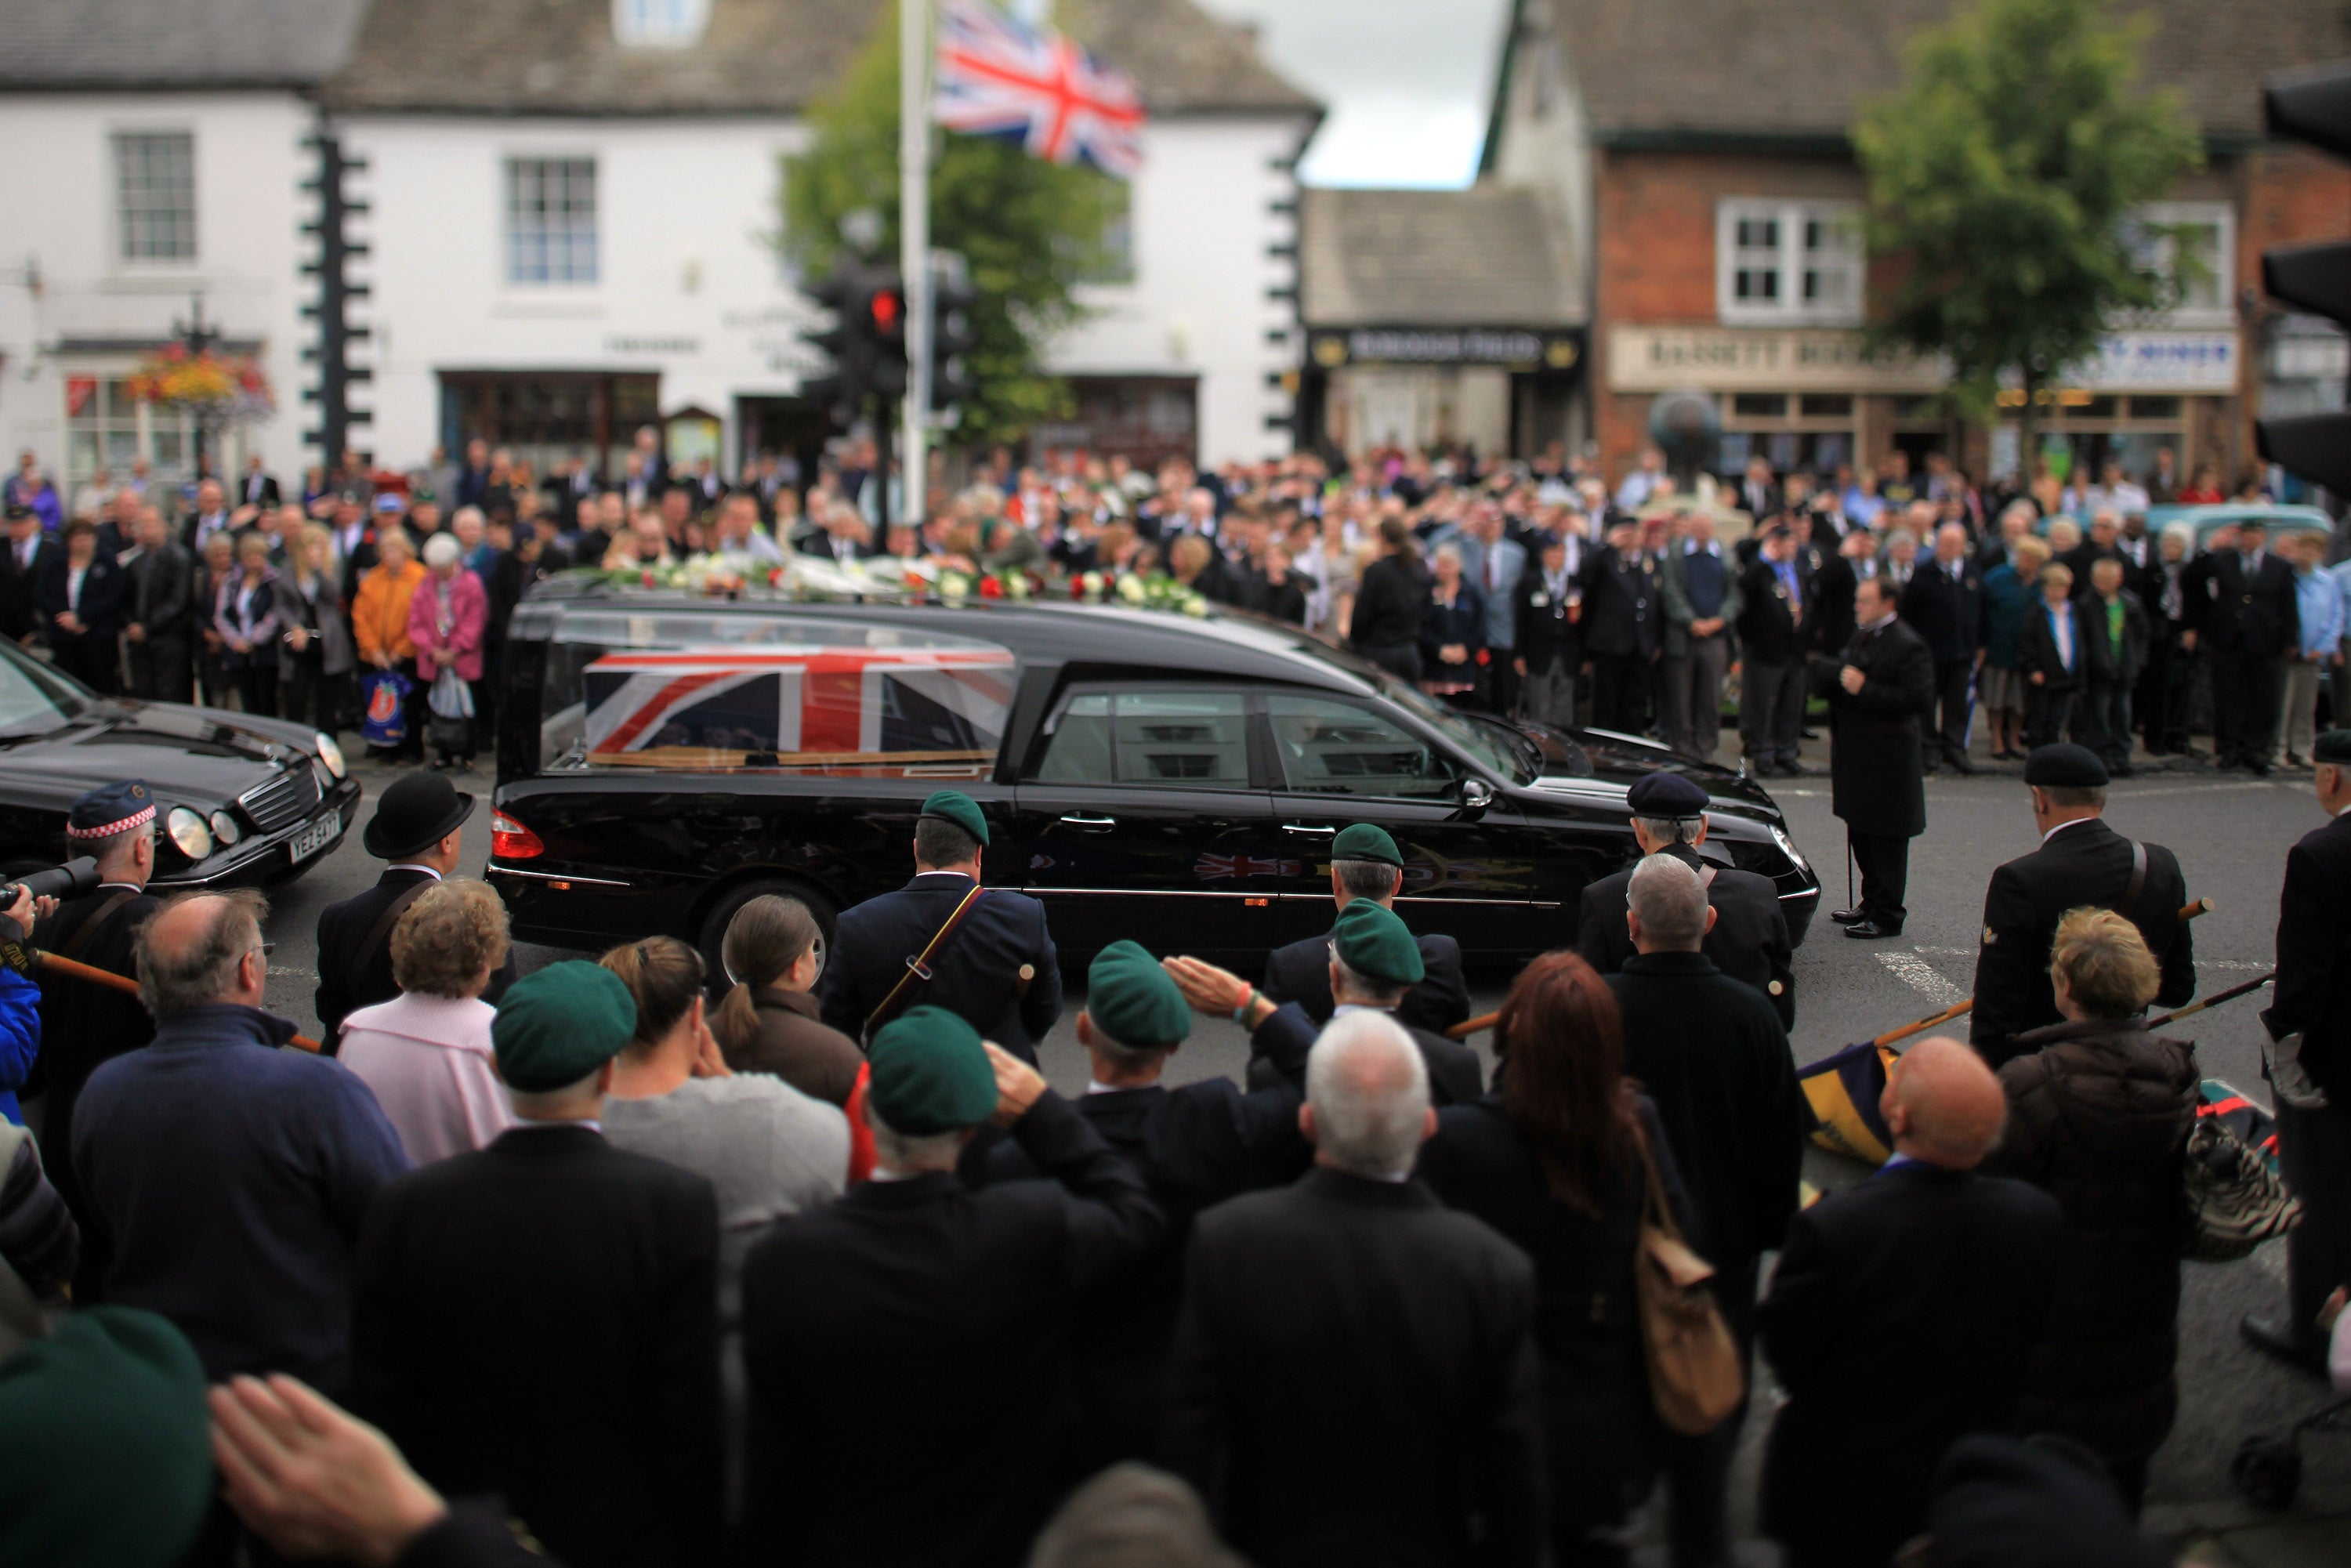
(955, 806)
(110, 808)
(1131, 997)
(2065, 767)
(930, 1073)
(17, 509)
(1374, 943)
(1666, 795)
(2333, 748)
(1362, 842)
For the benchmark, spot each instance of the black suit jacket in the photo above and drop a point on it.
(2037, 652)
(2313, 994)
(1547, 634)
(1749, 942)
(1947, 616)
(1902, 1317)
(1772, 628)
(2254, 614)
(976, 975)
(257, 490)
(1712, 1055)
(103, 585)
(1623, 606)
(2089, 863)
(1877, 774)
(1300, 973)
(540, 1318)
(920, 1295)
(83, 1025)
(1356, 1378)
(1835, 583)
(162, 593)
(20, 608)
(349, 979)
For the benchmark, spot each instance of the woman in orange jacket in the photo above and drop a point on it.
(379, 628)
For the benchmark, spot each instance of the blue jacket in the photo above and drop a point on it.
(225, 1180)
(2318, 604)
(20, 1037)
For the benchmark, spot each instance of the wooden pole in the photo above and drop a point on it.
(115, 982)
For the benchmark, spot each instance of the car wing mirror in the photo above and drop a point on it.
(1476, 794)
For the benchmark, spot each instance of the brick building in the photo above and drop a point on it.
(1703, 147)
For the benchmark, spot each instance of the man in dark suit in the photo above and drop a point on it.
(1549, 658)
(1901, 1318)
(1365, 863)
(2081, 861)
(1775, 628)
(1354, 1374)
(976, 972)
(256, 488)
(1711, 1054)
(2251, 623)
(539, 1319)
(21, 566)
(212, 516)
(1749, 939)
(1371, 962)
(160, 613)
(419, 827)
(1623, 630)
(912, 1292)
(1945, 605)
(1195, 1146)
(2307, 1060)
(1878, 785)
(80, 593)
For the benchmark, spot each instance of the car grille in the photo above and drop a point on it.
(284, 800)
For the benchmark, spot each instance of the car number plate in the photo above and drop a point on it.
(315, 837)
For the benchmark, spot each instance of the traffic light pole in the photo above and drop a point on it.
(914, 257)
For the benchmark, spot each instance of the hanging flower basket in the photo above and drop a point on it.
(220, 390)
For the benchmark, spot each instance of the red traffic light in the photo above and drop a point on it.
(889, 308)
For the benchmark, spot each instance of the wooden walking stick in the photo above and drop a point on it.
(115, 982)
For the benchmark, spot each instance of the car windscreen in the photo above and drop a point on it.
(33, 700)
(1490, 748)
(680, 689)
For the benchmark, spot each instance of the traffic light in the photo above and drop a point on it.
(2312, 106)
(847, 343)
(883, 308)
(952, 298)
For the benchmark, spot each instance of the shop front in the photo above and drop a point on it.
(1505, 389)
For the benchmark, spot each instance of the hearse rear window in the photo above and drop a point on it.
(719, 691)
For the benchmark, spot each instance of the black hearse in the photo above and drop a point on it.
(664, 757)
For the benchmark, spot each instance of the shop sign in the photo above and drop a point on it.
(2162, 362)
(1740, 359)
(1508, 347)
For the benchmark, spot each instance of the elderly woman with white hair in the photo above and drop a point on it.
(1452, 630)
(447, 619)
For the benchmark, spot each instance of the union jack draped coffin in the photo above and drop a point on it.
(998, 77)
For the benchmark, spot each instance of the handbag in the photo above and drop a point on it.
(1697, 1377)
(451, 697)
(383, 695)
(2231, 1198)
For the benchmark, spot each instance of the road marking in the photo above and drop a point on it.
(1924, 977)
(2201, 789)
(2247, 964)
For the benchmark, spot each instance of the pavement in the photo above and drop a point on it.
(2231, 834)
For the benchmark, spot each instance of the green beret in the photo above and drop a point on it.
(2333, 748)
(955, 806)
(929, 1072)
(1364, 842)
(558, 1026)
(109, 1444)
(1374, 943)
(1130, 997)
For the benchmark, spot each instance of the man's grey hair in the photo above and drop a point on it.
(905, 1152)
(1132, 1516)
(1369, 1090)
(1673, 830)
(115, 848)
(1363, 988)
(1670, 902)
(177, 980)
(549, 1104)
(1374, 880)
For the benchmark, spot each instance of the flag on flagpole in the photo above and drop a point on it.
(999, 77)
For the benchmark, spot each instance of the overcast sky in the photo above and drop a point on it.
(1407, 82)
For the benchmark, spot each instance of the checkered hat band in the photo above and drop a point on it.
(144, 814)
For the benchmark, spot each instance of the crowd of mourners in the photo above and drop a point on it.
(796, 1259)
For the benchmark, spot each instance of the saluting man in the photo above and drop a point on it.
(82, 1022)
(1749, 940)
(1365, 863)
(946, 941)
(2081, 862)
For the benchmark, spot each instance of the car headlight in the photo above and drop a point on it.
(189, 833)
(225, 828)
(328, 753)
(1788, 847)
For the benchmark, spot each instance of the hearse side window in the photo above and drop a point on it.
(1333, 747)
(1194, 739)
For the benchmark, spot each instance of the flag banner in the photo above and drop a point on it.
(888, 708)
(998, 77)
(1844, 1091)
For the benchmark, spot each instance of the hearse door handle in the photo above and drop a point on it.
(1091, 825)
(1309, 832)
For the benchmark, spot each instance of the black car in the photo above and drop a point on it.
(662, 758)
(240, 800)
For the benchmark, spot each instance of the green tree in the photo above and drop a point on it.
(2002, 177)
(1031, 231)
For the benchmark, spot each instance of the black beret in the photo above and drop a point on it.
(2333, 748)
(2001, 1503)
(2065, 767)
(1666, 795)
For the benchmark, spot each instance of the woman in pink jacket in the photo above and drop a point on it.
(446, 620)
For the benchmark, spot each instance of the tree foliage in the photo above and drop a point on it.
(1030, 231)
(2003, 180)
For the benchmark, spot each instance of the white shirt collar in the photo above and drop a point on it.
(2069, 822)
(412, 865)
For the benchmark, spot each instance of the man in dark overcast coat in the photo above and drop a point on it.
(1882, 698)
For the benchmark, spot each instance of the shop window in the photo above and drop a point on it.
(107, 428)
(660, 24)
(1759, 405)
(155, 196)
(2155, 408)
(1825, 405)
(2191, 246)
(551, 222)
(1788, 263)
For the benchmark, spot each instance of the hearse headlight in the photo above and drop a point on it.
(225, 828)
(1788, 847)
(328, 753)
(189, 833)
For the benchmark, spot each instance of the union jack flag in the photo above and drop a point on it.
(829, 705)
(1219, 868)
(998, 77)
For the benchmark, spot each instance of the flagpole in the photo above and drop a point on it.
(915, 252)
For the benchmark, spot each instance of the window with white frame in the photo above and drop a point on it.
(1788, 263)
(155, 196)
(659, 24)
(2192, 245)
(551, 221)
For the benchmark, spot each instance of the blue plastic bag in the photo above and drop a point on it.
(384, 717)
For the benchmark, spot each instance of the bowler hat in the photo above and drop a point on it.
(413, 814)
